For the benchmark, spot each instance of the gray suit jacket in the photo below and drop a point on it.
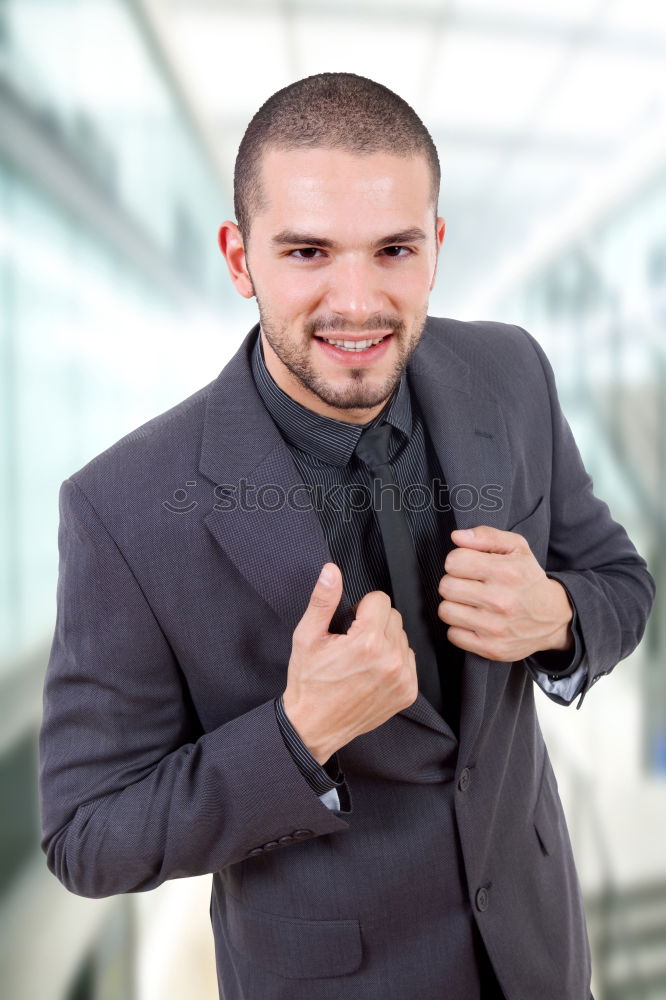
(160, 752)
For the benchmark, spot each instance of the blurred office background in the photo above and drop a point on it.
(119, 121)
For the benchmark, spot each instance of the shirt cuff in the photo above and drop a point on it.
(331, 799)
(562, 690)
(320, 777)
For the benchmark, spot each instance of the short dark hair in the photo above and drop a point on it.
(328, 111)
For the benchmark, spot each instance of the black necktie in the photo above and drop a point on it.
(372, 449)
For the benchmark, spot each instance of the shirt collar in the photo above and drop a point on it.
(331, 440)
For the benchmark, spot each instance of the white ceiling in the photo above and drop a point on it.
(530, 104)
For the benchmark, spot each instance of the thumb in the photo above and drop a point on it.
(487, 539)
(324, 600)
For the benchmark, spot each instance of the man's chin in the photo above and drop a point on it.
(352, 398)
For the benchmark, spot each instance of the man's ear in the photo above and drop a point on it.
(440, 229)
(231, 244)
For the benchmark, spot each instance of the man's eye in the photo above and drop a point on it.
(305, 253)
(396, 251)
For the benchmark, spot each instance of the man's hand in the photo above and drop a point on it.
(339, 686)
(498, 602)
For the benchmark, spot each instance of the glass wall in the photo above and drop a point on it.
(114, 305)
(110, 276)
(86, 71)
(600, 308)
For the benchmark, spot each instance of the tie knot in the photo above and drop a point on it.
(373, 446)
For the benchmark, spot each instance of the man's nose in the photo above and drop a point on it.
(355, 290)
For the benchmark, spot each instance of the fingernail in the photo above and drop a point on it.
(326, 577)
(466, 532)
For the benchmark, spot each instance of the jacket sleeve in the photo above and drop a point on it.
(591, 554)
(131, 792)
(327, 780)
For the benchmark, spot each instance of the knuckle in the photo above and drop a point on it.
(495, 628)
(454, 634)
(500, 602)
(299, 637)
(396, 617)
(441, 611)
(381, 599)
(523, 545)
(318, 601)
(451, 560)
(512, 573)
(372, 642)
(393, 667)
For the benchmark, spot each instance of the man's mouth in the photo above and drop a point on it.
(353, 345)
(361, 347)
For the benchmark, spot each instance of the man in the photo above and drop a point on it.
(328, 706)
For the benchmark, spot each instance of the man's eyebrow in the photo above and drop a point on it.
(289, 237)
(414, 235)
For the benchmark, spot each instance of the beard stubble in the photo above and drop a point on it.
(358, 392)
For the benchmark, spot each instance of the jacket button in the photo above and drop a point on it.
(464, 779)
(254, 852)
(287, 839)
(482, 899)
(302, 834)
(271, 845)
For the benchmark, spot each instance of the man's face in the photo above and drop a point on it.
(344, 248)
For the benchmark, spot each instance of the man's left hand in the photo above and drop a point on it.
(498, 602)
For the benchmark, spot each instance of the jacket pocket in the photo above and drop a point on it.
(291, 947)
(535, 529)
(547, 810)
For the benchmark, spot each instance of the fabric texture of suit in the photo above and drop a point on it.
(160, 753)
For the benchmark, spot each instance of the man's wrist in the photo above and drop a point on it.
(563, 639)
(320, 749)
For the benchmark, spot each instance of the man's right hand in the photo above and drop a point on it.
(339, 686)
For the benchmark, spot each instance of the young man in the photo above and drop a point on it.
(355, 755)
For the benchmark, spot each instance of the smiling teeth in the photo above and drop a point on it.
(353, 345)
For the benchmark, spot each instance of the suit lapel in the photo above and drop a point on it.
(280, 549)
(469, 435)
